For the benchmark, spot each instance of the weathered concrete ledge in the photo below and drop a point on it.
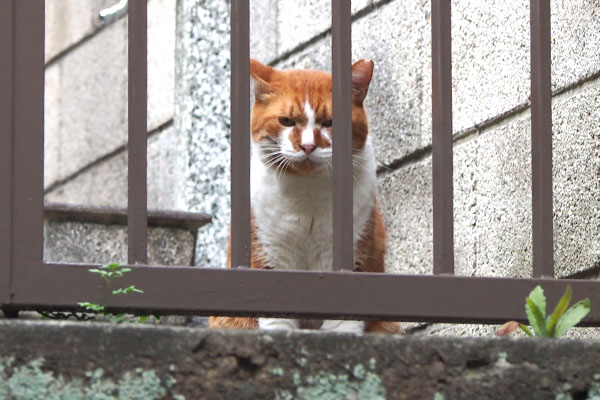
(92, 360)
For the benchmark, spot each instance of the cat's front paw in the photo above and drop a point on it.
(343, 326)
(278, 324)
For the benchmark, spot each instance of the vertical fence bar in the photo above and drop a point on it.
(240, 133)
(6, 145)
(341, 44)
(28, 145)
(541, 140)
(443, 208)
(137, 212)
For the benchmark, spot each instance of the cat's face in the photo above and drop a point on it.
(292, 116)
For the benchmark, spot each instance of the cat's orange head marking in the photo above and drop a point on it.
(291, 121)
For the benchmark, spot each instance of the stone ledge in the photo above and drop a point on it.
(78, 233)
(191, 221)
(130, 361)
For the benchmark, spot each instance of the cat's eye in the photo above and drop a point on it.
(327, 123)
(285, 121)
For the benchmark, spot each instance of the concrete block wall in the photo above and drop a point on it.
(86, 129)
(492, 172)
(491, 125)
(202, 118)
(86, 104)
(189, 147)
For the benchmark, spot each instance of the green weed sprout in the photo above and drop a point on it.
(554, 325)
(109, 273)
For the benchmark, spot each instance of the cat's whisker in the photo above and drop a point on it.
(287, 164)
(358, 157)
(270, 160)
(279, 168)
(268, 145)
(357, 182)
(280, 162)
(270, 149)
(267, 153)
(359, 161)
(329, 169)
(269, 157)
(276, 169)
(359, 165)
(272, 164)
(276, 159)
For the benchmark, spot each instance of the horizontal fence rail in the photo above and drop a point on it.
(26, 282)
(210, 291)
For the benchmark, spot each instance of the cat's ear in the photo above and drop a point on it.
(362, 72)
(261, 75)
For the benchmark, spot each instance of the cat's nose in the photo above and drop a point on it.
(308, 148)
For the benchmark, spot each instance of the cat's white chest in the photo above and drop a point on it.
(293, 215)
(294, 223)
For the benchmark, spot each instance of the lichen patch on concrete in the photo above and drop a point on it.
(31, 382)
(330, 386)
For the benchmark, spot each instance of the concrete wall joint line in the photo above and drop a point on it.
(74, 46)
(302, 46)
(105, 157)
(499, 120)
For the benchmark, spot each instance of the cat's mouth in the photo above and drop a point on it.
(307, 166)
(298, 164)
(281, 160)
(304, 164)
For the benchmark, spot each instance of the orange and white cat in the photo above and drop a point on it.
(291, 193)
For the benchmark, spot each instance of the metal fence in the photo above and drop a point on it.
(27, 282)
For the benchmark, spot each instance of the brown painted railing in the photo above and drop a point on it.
(27, 282)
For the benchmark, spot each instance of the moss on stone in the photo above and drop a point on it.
(30, 382)
(329, 386)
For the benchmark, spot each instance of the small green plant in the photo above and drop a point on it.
(554, 325)
(109, 273)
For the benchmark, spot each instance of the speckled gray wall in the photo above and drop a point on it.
(202, 116)
(202, 107)
(491, 121)
(490, 54)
